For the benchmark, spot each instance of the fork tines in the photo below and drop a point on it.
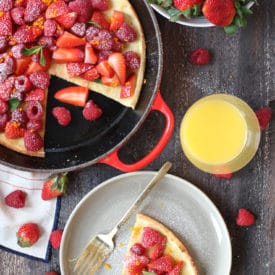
(92, 257)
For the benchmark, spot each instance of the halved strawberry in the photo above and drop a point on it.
(13, 130)
(105, 69)
(128, 89)
(73, 95)
(67, 20)
(162, 264)
(68, 40)
(90, 75)
(77, 68)
(116, 20)
(56, 9)
(90, 55)
(22, 64)
(63, 55)
(100, 19)
(118, 63)
(5, 24)
(110, 81)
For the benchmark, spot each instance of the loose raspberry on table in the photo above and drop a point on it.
(34, 110)
(62, 114)
(3, 44)
(55, 238)
(40, 79)
(264, 116)
(132, 60)
(150, 237)
(200, 56)
(126, 33)
(16, 199)
(91, 111)
(33, 141)
(245, 217)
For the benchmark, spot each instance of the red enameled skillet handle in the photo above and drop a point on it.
(158, 105)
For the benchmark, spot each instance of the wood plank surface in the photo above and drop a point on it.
(242, 64)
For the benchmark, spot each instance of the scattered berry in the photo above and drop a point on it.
(62, 114)
(102, 40)
(33, 141)
(56, 9)
(136, 263)
(91, 111)
(16, 199)
(55, 238)
(245, 218)
(264, 116)
(5, 24)
(17, 51)
(28, 234)
(200, 56)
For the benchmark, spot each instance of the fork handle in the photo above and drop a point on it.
(161, 173)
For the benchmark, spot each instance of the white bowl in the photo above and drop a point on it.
(199, 21)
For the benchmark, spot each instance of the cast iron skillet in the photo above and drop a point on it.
(83, 143)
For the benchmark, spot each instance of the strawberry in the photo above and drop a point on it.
(91, 111)
(264, 116)
(76, 68)
(90, 55)
(90, 75)
(55, 238)
(105, 69)
(219, 12)
(176, 269)
(63, 55)
(74, 95)
(16, 199)
(33, 10)
(13, 130)
(33, 141)
(159, 248)
(118, 63)
(67, 20)
(68, 40)
(223, 176)
(100, 4)
(189, 7)
(56, 9)
(162, 264)
(150, 237)
(245, 217)
(200, 56)
(110, 81)
(82, 8)
(5, 24)
(99, 18)
(117, 19)
(27, 234)
(135, 263)
(128, 89)
(22, 64)
(62, 114)
(54, 186)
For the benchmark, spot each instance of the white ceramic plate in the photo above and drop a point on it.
(200, 21)
(175, 202)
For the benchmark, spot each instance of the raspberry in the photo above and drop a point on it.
(33, 141)
(5, 24)
(79, 29)
(20, 117)
(35, 125)
(136, 263)
(17, 15)
(126, 33)
(50, 27)
(159, 249)
(34, 110)
(118, 46)
(16, 199)
(176, 269)
(162, 264)
(62, 114)
(200, 56)
(47, 42)
(55, 238)
(82, 8)
(132, 60)
(6, 67)
(137, 249)
(224, 176)
(13, 131)
(3, 121)
(22, 84)
(6, 88)
(76, 69)
(19, 95)
(6, 5)
(264, 116)
(103, 55)
(34, 10)
(245, 218)
(40, 79)
(102, 40)
(3, 44)
(27, 34)
(4, 106)
(56, 9)
(17, 51)
(100, 4)
(91, 111)
(150, 237)
(37, 94)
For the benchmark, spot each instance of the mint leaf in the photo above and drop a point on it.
(98, 81)
(94, 23)
(148, 273)
(14, 103)
(31, 51)
(42, 59)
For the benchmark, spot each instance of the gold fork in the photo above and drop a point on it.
(101, 246)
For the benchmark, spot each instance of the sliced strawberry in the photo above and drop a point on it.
(13, 130)
(118, 63)
(100, 4)
(90, 75)
(159, 249)
(5, 24)
(162, 264)
(68, 40)
(105, 69)
(63, 55)
(128, 89)
(56, 9)
(36, 94)
(135, 263)
(176, 269)
(82, 8)
(22, 65)
(67, 20)
(90, 55)
(100, 19)
(116, 20)
(76, 68)
(73, 95)
(110, 81)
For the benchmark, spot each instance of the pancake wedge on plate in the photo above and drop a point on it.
(154, 248)
(98, 45)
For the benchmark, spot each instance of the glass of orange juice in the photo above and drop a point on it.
(220, 133)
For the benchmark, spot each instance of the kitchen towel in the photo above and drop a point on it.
(36, 210)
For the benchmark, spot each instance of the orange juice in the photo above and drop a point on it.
(219, 133)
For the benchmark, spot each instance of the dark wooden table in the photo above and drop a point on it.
(242, 64)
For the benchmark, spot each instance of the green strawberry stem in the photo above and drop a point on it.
(59, 182)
